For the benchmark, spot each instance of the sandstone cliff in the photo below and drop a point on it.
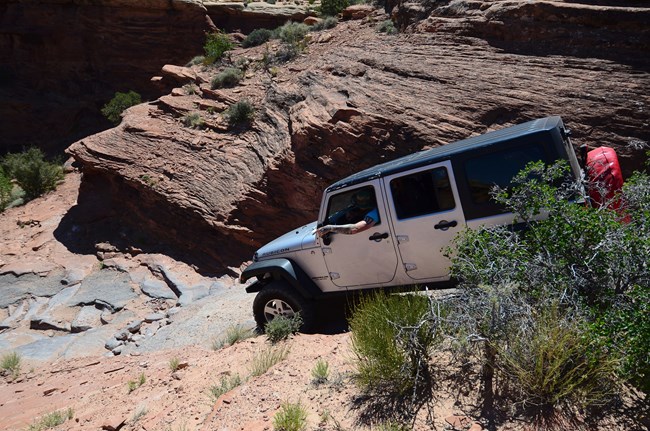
(61, 60)
(355, 98)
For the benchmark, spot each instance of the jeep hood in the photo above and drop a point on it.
(294, 240)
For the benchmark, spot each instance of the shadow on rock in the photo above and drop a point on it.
(106, 222)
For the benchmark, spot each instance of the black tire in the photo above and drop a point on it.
(278, 298)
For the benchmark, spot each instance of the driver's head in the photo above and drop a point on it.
(364, 199)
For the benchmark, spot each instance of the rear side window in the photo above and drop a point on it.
(422, 193)
(498, 169)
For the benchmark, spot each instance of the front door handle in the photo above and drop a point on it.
(444, 224)
(378, 236)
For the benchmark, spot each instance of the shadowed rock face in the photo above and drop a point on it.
(354, 99)
(61, 60)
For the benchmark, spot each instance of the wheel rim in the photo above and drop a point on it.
(277, 307)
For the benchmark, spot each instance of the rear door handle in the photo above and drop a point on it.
(378, 236)
(444, 224)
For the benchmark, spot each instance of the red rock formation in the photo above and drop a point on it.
(61, 60)
(353, 99)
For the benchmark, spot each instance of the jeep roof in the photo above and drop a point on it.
(446, 152)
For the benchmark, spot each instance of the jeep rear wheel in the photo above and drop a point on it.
(279, 299)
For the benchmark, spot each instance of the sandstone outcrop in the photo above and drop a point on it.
(246, 17)
(355, 98)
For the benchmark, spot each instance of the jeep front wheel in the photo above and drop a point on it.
(279, 299)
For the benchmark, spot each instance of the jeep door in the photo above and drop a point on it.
(426, 215)
(363, 259)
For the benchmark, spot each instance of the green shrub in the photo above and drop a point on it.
(51, 420)
(132, 385)
(552, 363)
(234, 334)
(333, 7)
(226, 385)
(267, 358)
(387, 27)
(5, 191)
(199, 59)
(293, 32)
(586, 262)
(290, 417)
(118, 104)
(320, 373)
(389, 357)
(240, 113)
(10, 363)
(32, 172)
(174, 363)
(229, 77)
(325, 23)
(282, 327)
(287, 52)
(216, 45)
(193, 120)
(257, 37)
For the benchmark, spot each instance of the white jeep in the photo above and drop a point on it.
(422, 201)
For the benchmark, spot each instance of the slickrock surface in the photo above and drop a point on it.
(355, 98)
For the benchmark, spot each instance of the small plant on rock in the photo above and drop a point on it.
(266, 358)
(333, 7)
(51, 420)
(282, 327)
(387, 27)
(226, 385)
(33, 174)
(290, 417)
(234, 334)
(229, 77)
(194, 120)
(10, 363)
(5, 191)
(118, 104)
(215, 47)
(257, 37)
(240, 113)
(174, 363)
(326, 23)
(132, 385)
(293, 32)
(199, 59)
(320, 373)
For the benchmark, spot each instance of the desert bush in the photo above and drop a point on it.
(229, 77)
(266, 358)
(234, 334)
(586, 266)
(282, 327)
(333, 7)
(118, 104)
(227, 384)
(392, 337)
(293, 32)
(32, 172)
(174, 364)
(290, 417)
(257, 37)
(193, 120)
(215, 47)
(320, 373)
(5, 190)
(287, 52)
(387, 27)
(10, 363)
(324, 24)
(199, 59)
(240, 112)
(132, 385)
(51, 420)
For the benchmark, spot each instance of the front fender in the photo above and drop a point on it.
(280, 269)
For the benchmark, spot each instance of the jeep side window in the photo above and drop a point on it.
(351, 206)
(422, 193)
(498, 169)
